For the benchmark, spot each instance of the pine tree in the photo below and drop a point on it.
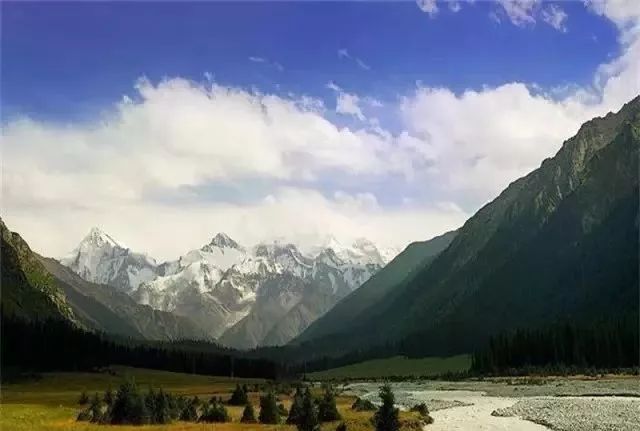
(269, 409)
(248, 415)
(386, 418)
(308, 418)
(239, 396)
(296, 407)
(327, 410)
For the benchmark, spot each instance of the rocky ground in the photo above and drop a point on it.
(578, 413)
(608, 403)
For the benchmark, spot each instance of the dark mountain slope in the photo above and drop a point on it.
(104, 308)
(560, 243)
(28, 291)
(343, 314)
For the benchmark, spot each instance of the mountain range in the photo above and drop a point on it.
(242, 296)
(558, 245)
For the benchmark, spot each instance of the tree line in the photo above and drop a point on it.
(56, 345)
(603, 345)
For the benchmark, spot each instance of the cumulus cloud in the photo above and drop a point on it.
(309, 176)
(178, 137)
(479, 141)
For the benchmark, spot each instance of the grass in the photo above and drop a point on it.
(397, 366)
(50, 403)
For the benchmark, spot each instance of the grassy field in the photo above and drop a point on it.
(50, 404)
(397, 366)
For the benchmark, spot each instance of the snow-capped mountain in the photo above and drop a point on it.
(101, 259)
(265, 294)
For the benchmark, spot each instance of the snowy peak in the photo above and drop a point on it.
(222, 240)
(99, 258)
(100, 238)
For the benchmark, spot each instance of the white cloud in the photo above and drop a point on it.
(263, 60)
(177, 137)
(349, 104)
(428, 6)
(519, 12)
(555, 16)
(294, 214)
(479, 141)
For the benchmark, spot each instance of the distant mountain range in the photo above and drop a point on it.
(38, 288)
(560, 244)
(244, 297)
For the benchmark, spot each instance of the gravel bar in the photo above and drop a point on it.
(578, 413)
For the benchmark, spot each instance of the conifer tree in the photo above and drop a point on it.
(129, 406)
(248, 415)
(327, 410)
(308, 418)
(386, 418)
(296, 407)
(269, 409)
(84, 398)
(239, 396)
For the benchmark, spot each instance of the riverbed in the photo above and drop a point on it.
(558, 404)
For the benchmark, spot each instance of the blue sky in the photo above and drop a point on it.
(393, 120)
(69, 61)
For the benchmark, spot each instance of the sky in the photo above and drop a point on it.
(165, 123)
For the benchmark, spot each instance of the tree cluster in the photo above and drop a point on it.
(55, 345)
(130, 406)
(601, 345)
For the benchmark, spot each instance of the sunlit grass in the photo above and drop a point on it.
(50, 403)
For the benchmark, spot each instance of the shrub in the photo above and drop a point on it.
(341, 427)
(248, 415)
(361, 405)
(95, 409)
(84, 398)
(84, 416)
(421, 409)
(327, 410)
(108, 396)
(189, 412)
(386, 417)
(269, 413)
(215, 412)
